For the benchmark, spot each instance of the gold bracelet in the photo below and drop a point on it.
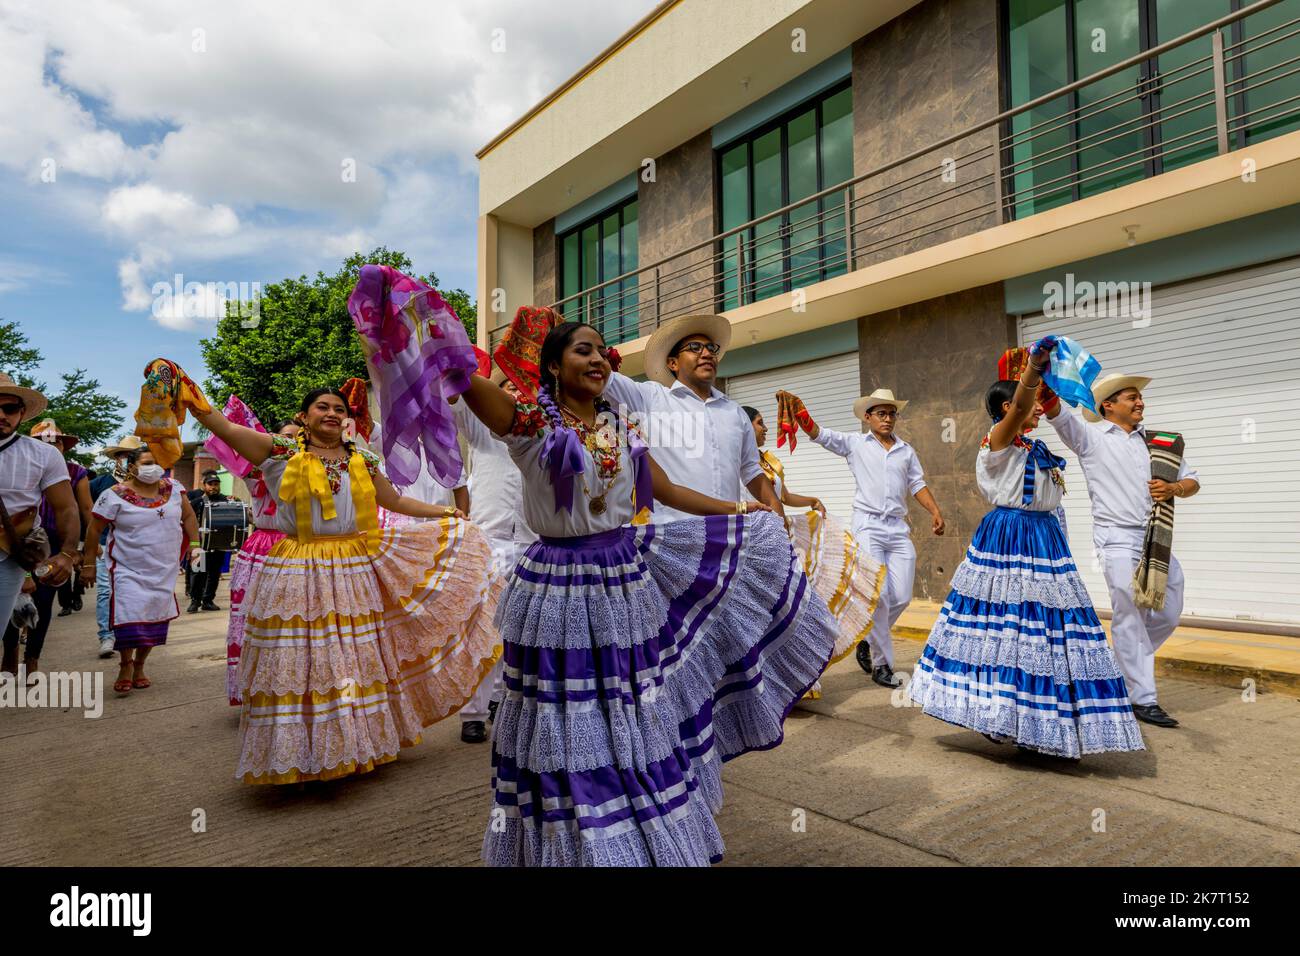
(740, 507)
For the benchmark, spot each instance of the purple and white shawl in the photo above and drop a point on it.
(423, 357)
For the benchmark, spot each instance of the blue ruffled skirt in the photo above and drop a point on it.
(1017, 651)
(637, 661)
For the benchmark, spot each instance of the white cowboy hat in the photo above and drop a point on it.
(1108, 385)
(50, 429)
(129, 443)
(670, 333)
(33, 399)
(881, 396)
(497, 377)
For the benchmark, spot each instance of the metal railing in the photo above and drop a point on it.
(1076, 141)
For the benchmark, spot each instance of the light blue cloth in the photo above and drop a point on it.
(1071, 372)
(11, 585)
(103, 593)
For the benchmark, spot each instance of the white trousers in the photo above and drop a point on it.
(504, 556)
(891, 545)
(1137, 633)
(489, 690)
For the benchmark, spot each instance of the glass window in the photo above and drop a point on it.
(796, 156)
(1272, 101)
(599, 250)
(1143, 120)
(1039, 61)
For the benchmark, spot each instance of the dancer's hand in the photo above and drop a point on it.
(452, 513)
(938, 524)
(752, 507)
(88, 576)
(1163, 490)
(818, 506)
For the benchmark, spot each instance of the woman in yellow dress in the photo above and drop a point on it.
(847, 577)
(357, 638)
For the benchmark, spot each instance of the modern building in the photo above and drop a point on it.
(890, 193)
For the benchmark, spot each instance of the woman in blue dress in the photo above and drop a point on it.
(1017, 652)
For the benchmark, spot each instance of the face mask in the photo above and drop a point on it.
(148, 474)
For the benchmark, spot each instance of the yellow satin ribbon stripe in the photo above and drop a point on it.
(772, 466)
(305, 478)
(363, 501)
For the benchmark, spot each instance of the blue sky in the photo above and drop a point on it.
(208, 139)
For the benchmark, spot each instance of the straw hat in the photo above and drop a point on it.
(1108, 385)
(881, 396)
(49, 429)
(33, 399)
(670, 333)
(129, 443)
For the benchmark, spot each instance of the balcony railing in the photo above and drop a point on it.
(1068, 144)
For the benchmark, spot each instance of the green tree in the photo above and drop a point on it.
(16, 358)
(80, 407)
(303, 338)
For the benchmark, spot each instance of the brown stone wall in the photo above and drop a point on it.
(924, 75)
(546, 284)
(940, 356)
(676, 211)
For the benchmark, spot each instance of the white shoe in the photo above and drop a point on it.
(106, 647)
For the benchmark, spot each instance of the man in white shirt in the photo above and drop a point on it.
(702, 439)
(1117, 465)
(495, 492)
(886, 472)
(28, 470)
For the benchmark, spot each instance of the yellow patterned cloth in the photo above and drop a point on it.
(845, 576)
(356, 643)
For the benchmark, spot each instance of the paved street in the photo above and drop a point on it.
(873, 784)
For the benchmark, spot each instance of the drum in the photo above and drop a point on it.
(224, 526)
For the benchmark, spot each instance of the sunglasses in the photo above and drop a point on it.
(11, 408)
(695, 348)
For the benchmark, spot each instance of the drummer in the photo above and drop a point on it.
(203, 586)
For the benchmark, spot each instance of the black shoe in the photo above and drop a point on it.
(209, 606)
(884, 676)
(492, 710)
(193, 608)
(473, 732)
(863, 656)
(65, 612)
(76, 603)
(1153, 714)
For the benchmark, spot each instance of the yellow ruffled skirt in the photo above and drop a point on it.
(845, 576)
(349, 655)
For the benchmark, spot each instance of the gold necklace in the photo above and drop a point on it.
(604, 455)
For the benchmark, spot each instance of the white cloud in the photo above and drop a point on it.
(228, 130)
(147, 211)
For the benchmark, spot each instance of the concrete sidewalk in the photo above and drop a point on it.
(861, 779)
(1223, 657)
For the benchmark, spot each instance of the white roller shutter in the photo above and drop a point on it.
(829, 388)
(1224, 357)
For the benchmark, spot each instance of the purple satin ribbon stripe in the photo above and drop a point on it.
(638, 451)
(414, 382)
(563, 458)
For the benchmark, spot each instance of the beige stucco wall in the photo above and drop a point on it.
(700, 62)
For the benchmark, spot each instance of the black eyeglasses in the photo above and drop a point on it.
(695, 348)
(12, 408)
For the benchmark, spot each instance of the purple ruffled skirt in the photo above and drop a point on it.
(636, 661)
